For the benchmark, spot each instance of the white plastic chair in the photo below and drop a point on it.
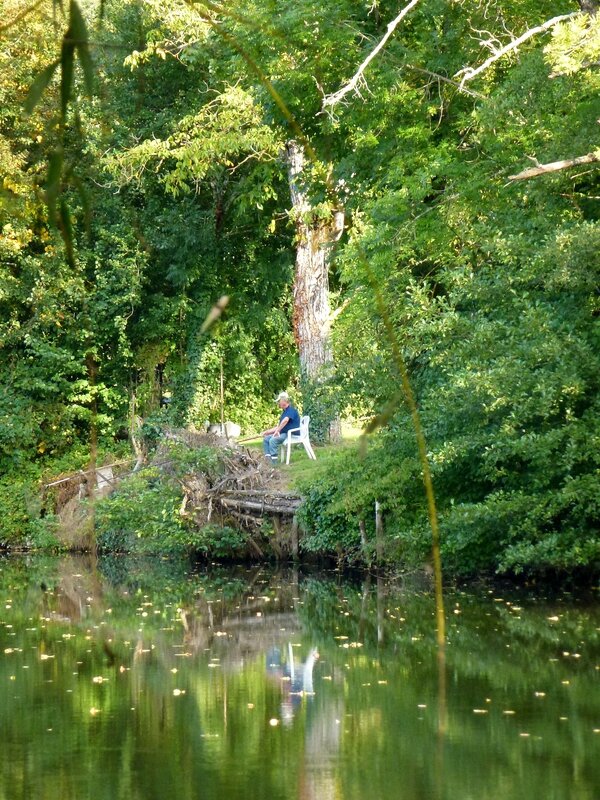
(298, 436)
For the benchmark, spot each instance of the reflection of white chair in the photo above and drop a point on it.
(298, 436)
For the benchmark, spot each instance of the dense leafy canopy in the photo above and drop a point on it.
(127, 211)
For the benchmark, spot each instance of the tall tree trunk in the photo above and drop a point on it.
(315, 237)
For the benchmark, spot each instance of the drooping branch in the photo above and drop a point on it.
(555, 166)
(468, 73)
(334, 99)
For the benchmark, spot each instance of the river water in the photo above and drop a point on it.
(136, 680)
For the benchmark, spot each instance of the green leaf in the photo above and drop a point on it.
(37, 87)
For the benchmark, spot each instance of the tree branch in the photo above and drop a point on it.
(468, 73)
(555, 166)
(334, 99)
(442, 78)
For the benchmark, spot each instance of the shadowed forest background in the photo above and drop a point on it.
(145, 164)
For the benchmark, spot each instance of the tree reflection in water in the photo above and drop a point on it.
(187, 669)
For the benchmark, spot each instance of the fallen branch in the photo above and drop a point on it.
(334, 99)
(84, 473)
(469, 73)
(261, 507)
(555, 166)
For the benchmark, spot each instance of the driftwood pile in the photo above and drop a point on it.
(249, 492)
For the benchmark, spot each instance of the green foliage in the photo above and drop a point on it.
(17, 496)
(491, 285)
(575, 45)
(216, 541)
(142, 517)
(145, 514)
(320, 401)
(326, 532)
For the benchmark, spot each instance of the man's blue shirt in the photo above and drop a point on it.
(293, 419)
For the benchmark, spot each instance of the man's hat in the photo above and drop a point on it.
(282, 396)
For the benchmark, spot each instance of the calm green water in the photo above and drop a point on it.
(139, 680)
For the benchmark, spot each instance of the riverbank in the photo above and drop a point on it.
(202, 495)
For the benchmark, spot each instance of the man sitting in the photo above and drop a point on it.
(289, 419)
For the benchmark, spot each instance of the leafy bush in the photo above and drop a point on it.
(220, 542)
(142, 516)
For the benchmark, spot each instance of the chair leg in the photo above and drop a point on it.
(289, 449)
(309, 451)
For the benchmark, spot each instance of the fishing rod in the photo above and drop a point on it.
(249, 438)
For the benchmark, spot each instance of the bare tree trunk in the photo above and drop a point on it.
(315, 239)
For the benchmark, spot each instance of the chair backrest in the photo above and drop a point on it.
(304, 427)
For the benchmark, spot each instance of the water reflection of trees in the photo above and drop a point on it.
(373, 700)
